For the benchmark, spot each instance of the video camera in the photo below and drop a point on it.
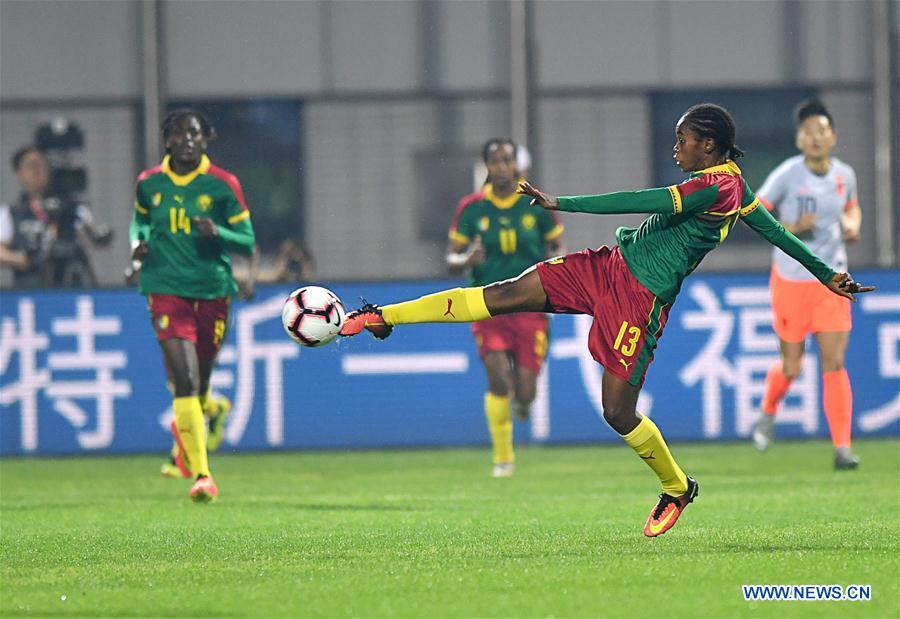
(66, 262)
(62, 142)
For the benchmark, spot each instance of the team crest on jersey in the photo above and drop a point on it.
(484, 224)
(529, 221)
(559, 260)
(839, 186)
(157, 199)
(162, 323)
(204, 201)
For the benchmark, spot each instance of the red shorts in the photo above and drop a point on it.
(200, 321)
(628, 318)
(522, 335)
(805, 307)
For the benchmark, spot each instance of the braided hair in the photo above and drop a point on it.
(709, 120)
(172, 118)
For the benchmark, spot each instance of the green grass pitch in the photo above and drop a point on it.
(430, 534)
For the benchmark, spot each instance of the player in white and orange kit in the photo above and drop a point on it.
(815, 198)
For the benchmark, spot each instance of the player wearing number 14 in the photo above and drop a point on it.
(188, 214)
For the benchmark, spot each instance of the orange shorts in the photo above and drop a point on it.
(801, 308)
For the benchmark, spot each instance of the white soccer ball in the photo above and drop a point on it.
(312, 316)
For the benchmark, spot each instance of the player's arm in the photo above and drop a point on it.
(851, 222)
(247, 275)
(462, 255)
(139, 230)
(770, 229)
(851, 218)
(236, 232)
(693, 195)
(237, 236)
(8, 256)
(464, 250)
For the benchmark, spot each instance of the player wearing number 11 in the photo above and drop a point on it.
(498, 234)
(629, 289)
(188, 214)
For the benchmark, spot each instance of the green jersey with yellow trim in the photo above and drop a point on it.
(688, 221)
(181, 261)
(514, 233)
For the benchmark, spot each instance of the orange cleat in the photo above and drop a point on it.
(367, 317)
(669, 509)
(204, 490)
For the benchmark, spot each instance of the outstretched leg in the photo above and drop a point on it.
(522, 294)
(642, 435)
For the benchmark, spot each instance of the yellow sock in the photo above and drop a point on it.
(192, 430)
(649, 444)
(456, 305)
(206, 402)
(496, 409)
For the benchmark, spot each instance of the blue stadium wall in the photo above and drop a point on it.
(80, 372)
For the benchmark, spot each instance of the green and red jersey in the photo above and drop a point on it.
(514, 233)
(180, 261)
(687, 222)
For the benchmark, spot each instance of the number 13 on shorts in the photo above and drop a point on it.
(627, 339)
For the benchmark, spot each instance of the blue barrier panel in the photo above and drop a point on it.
(81, 373)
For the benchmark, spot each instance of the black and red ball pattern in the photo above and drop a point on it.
(329, 313)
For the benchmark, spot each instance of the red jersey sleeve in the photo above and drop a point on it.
(456, 234)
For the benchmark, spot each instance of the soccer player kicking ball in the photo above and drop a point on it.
(188, 214)
(629, 289)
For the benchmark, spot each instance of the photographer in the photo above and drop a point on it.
(23, 224)
(45, 234)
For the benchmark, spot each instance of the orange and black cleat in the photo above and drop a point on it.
(367, 317)
(204, 490)
(667, 511)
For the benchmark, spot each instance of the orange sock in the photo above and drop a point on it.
(777, 384)
(838, 400)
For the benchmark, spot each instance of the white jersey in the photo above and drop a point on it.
(792, 189)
